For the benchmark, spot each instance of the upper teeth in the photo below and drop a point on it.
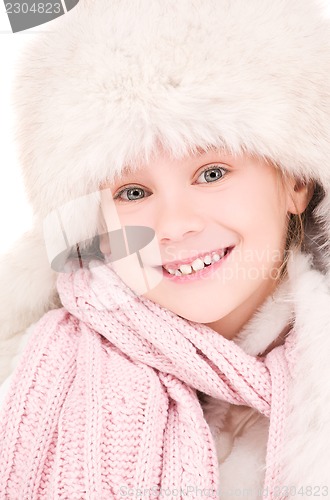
(197, 264)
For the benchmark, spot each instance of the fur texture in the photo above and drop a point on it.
(111, 81)
(299, 300)
(305, 299)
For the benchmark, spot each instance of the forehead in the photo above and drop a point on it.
(161, 157)
(199, 153)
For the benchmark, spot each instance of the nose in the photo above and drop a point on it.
(177, 218)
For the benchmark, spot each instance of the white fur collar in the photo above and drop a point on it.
(268, 321)
(303, 298)
(306, 453)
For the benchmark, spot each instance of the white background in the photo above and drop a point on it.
(15, 213)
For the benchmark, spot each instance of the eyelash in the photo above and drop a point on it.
(117, 196)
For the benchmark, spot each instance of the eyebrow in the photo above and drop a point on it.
(200, 152)
(213, 150)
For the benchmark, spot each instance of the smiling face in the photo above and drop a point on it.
(199, 206)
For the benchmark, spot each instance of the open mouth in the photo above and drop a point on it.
(198, 267)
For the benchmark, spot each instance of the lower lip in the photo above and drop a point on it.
(198, 274)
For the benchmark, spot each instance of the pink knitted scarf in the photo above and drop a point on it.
(103, 403)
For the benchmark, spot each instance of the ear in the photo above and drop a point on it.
(299, 195)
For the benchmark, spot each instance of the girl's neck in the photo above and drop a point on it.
(230, 325)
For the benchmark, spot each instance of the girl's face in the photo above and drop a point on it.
(198, 207)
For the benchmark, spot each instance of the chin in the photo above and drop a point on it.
(198, 317)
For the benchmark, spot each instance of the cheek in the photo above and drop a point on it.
(260, 221)
(136, 216)
(240, 210)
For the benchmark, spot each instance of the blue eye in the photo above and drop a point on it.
(131, 194)
(213, 174)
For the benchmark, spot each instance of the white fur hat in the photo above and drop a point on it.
(111, 80)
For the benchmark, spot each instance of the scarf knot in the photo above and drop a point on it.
(107, 388)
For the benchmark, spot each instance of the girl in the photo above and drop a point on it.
(174, 292)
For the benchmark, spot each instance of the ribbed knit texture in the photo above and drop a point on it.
(104, 399)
